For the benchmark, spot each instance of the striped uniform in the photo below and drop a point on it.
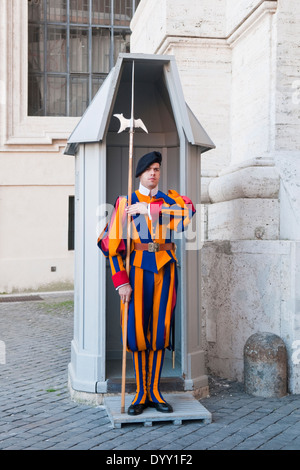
(153, 277)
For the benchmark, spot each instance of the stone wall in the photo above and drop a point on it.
(36, 180)
(239, 67)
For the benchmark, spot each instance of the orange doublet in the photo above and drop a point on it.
(153, 278)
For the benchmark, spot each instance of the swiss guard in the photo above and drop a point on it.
(151, 286)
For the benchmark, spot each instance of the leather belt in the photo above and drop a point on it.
(153, 247)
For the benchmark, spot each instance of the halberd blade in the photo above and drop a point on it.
(139, 123)
(125, 123)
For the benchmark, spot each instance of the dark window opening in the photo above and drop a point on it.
(71, 225)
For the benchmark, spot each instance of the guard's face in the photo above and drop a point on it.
(150, 177)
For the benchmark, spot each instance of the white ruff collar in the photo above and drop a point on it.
(148, 192)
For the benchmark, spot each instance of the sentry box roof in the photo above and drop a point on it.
(157, 94)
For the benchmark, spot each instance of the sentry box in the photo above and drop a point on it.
(101, 166)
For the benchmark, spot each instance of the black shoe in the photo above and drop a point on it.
(162, 407)
(136, 409)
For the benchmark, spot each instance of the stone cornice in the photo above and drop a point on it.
(245, 182)
(265, 7)
(258, 12)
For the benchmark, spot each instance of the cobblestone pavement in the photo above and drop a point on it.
(36, 411)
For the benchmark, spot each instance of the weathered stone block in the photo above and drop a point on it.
(244, 219)
(265, 365)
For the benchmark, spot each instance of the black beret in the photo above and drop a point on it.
(147, 160)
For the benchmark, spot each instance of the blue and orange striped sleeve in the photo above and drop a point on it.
(177, 211)
(116, 243)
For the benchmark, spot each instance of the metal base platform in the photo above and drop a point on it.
(185, 408)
